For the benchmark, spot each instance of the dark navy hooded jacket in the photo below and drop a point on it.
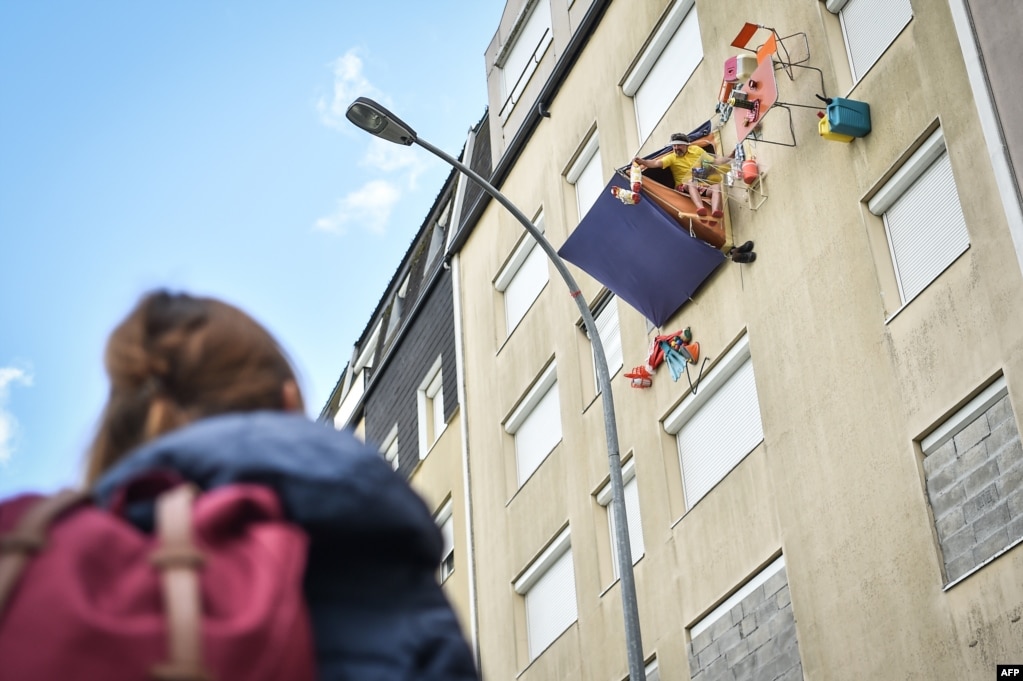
(377, 610)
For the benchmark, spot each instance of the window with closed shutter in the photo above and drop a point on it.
(536, 424)
(716, 428)
(518, 61)
(538, 434)
(587, 175)
(923, 219)
(548, 587)
(632, 515)
(522, 279)
(670, 58)
(870, 26)
(610, 336)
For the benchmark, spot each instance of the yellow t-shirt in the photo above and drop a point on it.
(681, 167)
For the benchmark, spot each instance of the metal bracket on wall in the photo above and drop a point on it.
(752, 195)
(693, 387)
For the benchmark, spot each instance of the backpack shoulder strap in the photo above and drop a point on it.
(179, 560)
(29, 536)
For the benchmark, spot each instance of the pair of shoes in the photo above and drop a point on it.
(744, 257)
(640, 373)
(718, 214)
(702, 212)
(745, 248)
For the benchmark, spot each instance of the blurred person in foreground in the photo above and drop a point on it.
(200, 389)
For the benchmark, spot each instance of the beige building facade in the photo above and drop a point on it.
(842, 497)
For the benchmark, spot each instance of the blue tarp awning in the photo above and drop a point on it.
(641, 254)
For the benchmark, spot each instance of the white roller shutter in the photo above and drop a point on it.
(519, 61)
(610, 336)
(551, 604)
(632, 514)
(589, 184)
(720, 433)
(669, 73)
(926, 228)
(538, 433)
(524, 287)
(635, 521)
(870, 26)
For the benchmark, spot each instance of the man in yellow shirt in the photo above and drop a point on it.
(682, 161)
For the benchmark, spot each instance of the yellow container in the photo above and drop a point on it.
(824, 127)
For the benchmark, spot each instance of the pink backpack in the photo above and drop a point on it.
(214, 594)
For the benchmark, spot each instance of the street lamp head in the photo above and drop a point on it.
(378, 121)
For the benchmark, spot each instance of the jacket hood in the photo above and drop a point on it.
(336, 487)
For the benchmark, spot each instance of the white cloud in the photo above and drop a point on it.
(349, 83)
(369, 207)
(391, 157)
(8, 423)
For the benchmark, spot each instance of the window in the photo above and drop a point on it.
(352, 398)
(536, 424)
(447, 531)
(522, 278)
(869, 27)
(716, 428)
(606, 318)
(631, 513)
(437, 237)
(548, 586)
(753, 629)
(651, 672)
(530, 37)
(973, 464)
(587, 175)
(397, 308)
(431, 408)
(389, 450)
(922, 216)
(660, 73)
(359, 372)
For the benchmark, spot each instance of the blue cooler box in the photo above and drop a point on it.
(849, 117)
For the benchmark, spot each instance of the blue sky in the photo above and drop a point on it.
(202, 146)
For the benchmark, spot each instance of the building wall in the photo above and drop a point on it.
(439, 479)
(996, 25)
(565, 17)
(849, 380)
(393, 398)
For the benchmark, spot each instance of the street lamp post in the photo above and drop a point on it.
(378, 121)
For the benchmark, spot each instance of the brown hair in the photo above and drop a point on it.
(177, 358)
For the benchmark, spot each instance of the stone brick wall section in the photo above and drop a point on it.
(754, 641)
(975, 487)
